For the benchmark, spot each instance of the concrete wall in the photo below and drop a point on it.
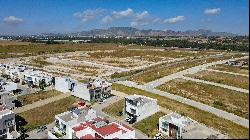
(81, 91)
(62, 85)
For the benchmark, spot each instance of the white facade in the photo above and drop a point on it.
(81, 91)
(8, 86)
(173, 124)
(95, 90)
(64, 84)
(140, 106)
(6, 99)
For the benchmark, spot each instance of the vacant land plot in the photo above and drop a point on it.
(235, 69)
(30, 98)
(45, 114)
(39, 62)
(149, 125)
(162, 70)
(225, 99)
(115, 109)
(225, 126)
(21, 49)
(223, 78)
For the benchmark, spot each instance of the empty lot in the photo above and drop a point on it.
(223, 78)
(228, 100)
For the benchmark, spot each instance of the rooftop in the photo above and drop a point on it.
(102, 127)
(178, 120)
(139, 99)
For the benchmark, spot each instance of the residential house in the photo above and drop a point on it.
(8, 86)
(139, 107)
(176, 126)
(100, 128)
(7, 99)
(64, 84)
(65, 120)
(96, 90)
(7, 124)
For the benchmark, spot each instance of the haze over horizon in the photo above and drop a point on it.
(60, 16)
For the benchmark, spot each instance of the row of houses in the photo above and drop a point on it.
(23, 74)
(91, 91)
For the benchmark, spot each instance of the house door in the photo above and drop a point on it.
(170, 129)
(72, 86)
(173, 130)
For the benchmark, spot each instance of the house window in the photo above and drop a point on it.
(165, 124)
(133, 111)
(164, 130)
(8, 122)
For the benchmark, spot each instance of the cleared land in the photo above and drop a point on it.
(115, 109)
(225, 99)
(223, 78)
(235, 69)
(30, 98)
(211, 120)
(44, 114)
(22, 49)
(149, 125)
(39, 62)
(151, 73)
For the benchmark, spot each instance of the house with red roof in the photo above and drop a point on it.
(100, 128)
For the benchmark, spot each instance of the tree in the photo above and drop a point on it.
(42, 84)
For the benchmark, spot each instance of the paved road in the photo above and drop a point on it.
(216, 84)
(40, 103)
(192, 70)
(41, 135)
(223, 114)
(233, 73)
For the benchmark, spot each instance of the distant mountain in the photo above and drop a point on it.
(129, 31)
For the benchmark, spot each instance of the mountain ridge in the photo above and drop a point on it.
(130, 31)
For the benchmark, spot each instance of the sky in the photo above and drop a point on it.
(61, 16)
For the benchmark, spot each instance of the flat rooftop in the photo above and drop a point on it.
(139, 100)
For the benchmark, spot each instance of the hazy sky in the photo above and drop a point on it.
(39, 16)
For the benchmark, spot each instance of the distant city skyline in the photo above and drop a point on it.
(60, 16)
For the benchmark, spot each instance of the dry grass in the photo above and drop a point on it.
(221, 98)
(223, 78)
(232, 129)
(235, 69)
(30, 98)
(45, 114)
(88, 70)
(21, 50)
(149, 125)
(115, 109)
(40, 62)
(151, 73)
(148, 55)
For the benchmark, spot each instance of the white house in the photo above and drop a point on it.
(8, 86)
(95, 90)
(64, 84)
(65, 120)
(7, 124)
(176, 126)
(7, 99)
(139, 107)
(100, 128)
